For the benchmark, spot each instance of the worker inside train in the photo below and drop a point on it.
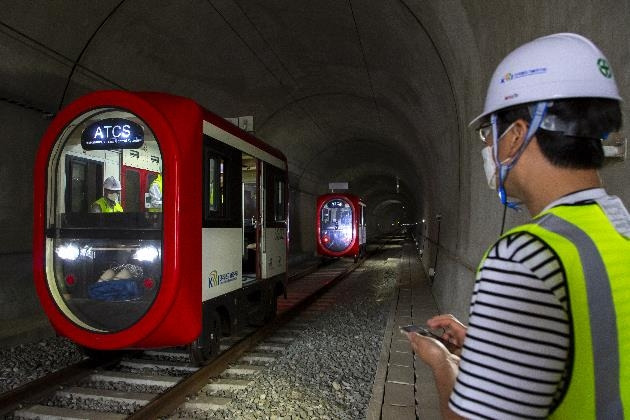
(110, 201)
(155, 194)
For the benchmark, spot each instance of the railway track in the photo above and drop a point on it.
(154, 384)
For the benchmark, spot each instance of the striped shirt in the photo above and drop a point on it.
(516, 353)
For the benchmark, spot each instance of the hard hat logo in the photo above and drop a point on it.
(529, 72)
(604, 68)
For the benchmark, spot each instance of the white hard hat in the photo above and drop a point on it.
(556, 66)
(112, 183)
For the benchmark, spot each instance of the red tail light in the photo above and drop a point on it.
(70, 280)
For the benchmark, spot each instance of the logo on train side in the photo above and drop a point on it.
(216, 279)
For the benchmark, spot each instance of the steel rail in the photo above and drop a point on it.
(167, 402)
(40, 388)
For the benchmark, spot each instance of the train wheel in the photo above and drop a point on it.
(207, 346)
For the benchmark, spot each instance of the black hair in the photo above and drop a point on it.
(591, 118)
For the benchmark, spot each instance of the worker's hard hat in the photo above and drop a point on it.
(112, 183)
(557, 66)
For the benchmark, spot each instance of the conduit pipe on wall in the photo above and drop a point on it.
(432, 270)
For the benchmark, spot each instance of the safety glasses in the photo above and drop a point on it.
(485, 130)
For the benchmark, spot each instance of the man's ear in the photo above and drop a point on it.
(516, 137)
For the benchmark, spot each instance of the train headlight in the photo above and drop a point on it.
(146, 253)
(68, 252)
(87, 252)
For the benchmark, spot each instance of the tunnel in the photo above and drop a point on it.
(376, 94)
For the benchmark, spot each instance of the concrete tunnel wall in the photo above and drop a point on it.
(427, 64)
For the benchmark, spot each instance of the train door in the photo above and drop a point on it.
(362, 233)
(222, 232)
(135, 183)
(275, 224)
(84, 183)
(250, 188)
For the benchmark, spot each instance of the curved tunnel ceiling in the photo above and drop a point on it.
(346, 89)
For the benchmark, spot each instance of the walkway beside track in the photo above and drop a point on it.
(403, 387)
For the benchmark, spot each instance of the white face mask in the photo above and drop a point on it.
(489, 167)
(113, 197)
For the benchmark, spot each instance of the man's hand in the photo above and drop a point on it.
(431, 351)
(444, 365)
(454, 331)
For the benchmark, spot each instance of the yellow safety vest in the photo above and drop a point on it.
(103, 203)
(596, 261)
(157, 181)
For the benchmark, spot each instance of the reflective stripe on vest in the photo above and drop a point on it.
(603, 320)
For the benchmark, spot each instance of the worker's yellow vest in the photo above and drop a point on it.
(103, 203)
(158, 182)
(596, 261)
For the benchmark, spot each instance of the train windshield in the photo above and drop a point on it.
(104, 220)
(336, 232)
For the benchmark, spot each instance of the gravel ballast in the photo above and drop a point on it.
(26, 362)
(327, 372)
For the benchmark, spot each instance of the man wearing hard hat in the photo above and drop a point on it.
(110, 202)
(548, 329)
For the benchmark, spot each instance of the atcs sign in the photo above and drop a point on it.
(112, 133)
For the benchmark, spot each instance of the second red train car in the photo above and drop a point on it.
(341, 225)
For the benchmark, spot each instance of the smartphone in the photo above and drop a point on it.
(423, 331)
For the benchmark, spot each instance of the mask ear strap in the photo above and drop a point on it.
(501, 168)
(495, 141)
(537, 118)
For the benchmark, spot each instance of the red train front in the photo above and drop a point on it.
(117, 267)
(340, 225)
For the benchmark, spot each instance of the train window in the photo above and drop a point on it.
(276, 199)
(279, 200)
(336, 231)
(105, 267)
(216, 186)
(132, 190)
(221, 185)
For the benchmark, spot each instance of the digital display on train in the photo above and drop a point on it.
(333, 204)
(112, 133)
